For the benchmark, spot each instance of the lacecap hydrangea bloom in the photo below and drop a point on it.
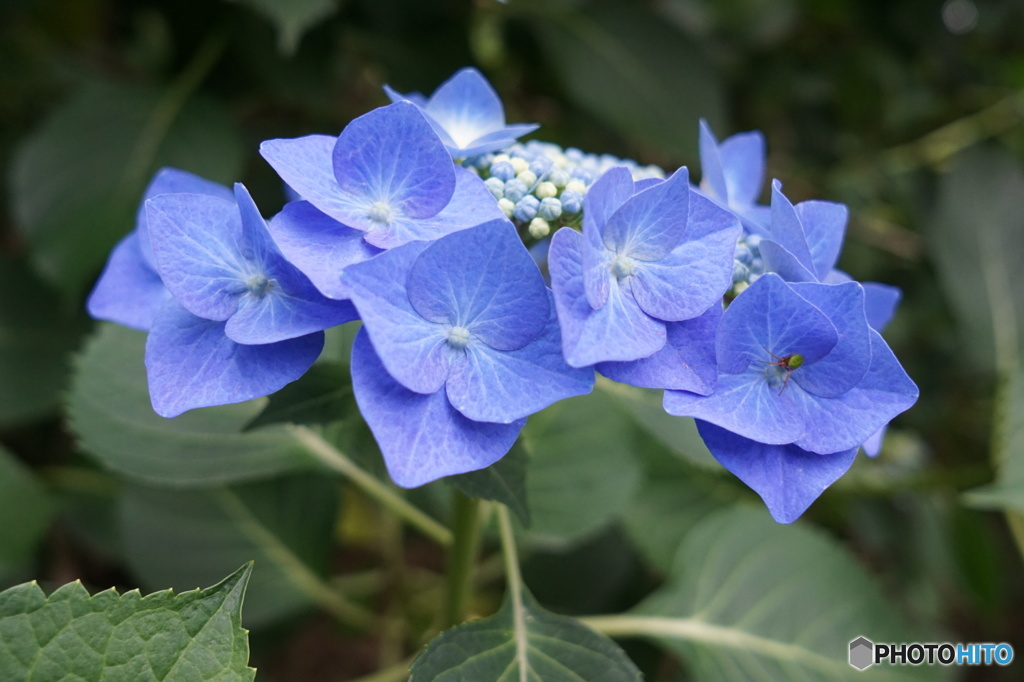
(428, 220)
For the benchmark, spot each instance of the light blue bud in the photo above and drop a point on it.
(584, 175)
(559, 177)
(526, 209)
(753, 240)
(540, 165)
(515, 189)
(574, 154)
(740, 272)
(743, 254)
(550, 209)
(496, 187)
(572, 202)
(503, 170)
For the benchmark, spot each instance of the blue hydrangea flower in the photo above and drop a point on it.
(652, 253)
(387, 177)
(130, 291)
(799, 367)
(467, 114)
(733, 174)
(459, 344)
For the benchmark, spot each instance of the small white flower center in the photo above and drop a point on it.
(458, 337)
(380, 212)
(622, 267)
(259, 285)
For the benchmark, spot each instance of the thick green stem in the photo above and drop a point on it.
(462, 557)
(381, 492)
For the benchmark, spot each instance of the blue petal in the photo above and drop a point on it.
(686, 363)
(129, 291)
(306, 165)
(742, 159)
(697, 272)
(392, 155)
(770, 318)
(466, 107)
(824, 224)
(413, 349)
(422, 437)
(787, 478)
(493, 141)
(619, 331)
(787, 230)
(603, 199)
(873, 445)
(416, 98)
(190, 363)
(319, 245)
(845, 365)
(852, 418)
(495, 386)
(880, 301)
(652, 222)
(712, 174)
(196, 241)
(780, 261)
(484, 280)
(471, 204)
(745, 404)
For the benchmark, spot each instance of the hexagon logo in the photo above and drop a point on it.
(862, 653)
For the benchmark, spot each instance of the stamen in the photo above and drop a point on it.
(458, 337)
(380, 212)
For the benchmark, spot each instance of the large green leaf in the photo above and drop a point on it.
(77, 181)
(504, 481)
(520, 643)
(182, 538)
(25, 510)
(292, 18)
(192, 637)
(36, 340)
(584, 466)
(633, 71)
(753, 600)
(110, 411)
(321, 396)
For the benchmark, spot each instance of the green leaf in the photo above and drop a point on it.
(182, 538)
(192, 637)
(753, 600)
(76, 183)
(523, 642)
(504, 481)
(321, 396)
(110, 411)
(584, 466)
(292, 17)
(36, 340)
(25, 512)
(634, 71)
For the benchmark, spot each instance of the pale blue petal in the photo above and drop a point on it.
(786, 228)
(416, 98)
(393, 156)
(422, 437)
(196, 241)
(786, 477)
(742, 159)
(697, 272)
(503, 386)
(651, 223)
(319, 245)
(467, 107)
(745, 404)
(494, 141)
(880, 301)
(780, 261)
(824, 224)
(712, 174)
(129, 291)
(619, 331)
(873, 445)
(845, 365)
(190, 363)
(484, 280)
(851, 419)
(282, 314)
(413, 349)
(685, 363)
(770, 318)
(608, 193)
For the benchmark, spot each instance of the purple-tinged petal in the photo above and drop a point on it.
(786, 228)
(824, 224)
(414, 350)
(319, 245)
(283, 314)
(392, 155)
(422, 437)
(483, 280)
(697, 272)
(712, 174)
(786, 477)
(196, 241)
(306, 165)
(845, 365)
(619, 331)
(742, 158)
(780, 261)
(494, 386)
(603, 199)
(129, 291)
(852, 418)
(651, 223)
(756, 219)
(880, 301)
(873, 445)
(470, 205)
(190, 363)
(767, 319)
(686, 363)
(467, 107)
(746, 404)
(416, 98)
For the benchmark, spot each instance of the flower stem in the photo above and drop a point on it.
(384, 494)
(462, 557)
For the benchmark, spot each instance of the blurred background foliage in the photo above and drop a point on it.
(912, 113)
